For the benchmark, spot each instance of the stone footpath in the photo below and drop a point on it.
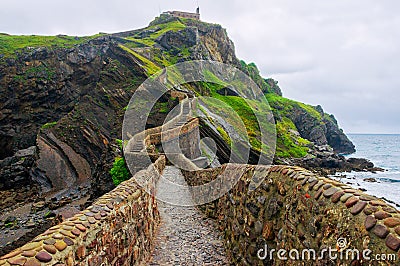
(186, 236)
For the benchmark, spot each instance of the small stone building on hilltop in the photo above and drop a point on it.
(181, 14)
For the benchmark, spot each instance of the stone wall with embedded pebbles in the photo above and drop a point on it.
(288, 208)
(118, 229)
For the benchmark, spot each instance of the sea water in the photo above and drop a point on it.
(384, 152)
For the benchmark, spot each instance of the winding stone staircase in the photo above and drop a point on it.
(138, 153)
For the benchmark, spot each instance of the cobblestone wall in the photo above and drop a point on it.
(295, 209)
(118, 229)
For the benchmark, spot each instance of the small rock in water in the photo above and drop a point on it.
(371, 180)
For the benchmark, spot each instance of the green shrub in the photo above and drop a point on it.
(288, 145)
(119, 172)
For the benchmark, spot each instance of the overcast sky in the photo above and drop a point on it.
(341, 54)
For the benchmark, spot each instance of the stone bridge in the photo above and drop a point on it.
(269, 208)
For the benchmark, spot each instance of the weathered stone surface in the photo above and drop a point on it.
(301, 177)
(81, 227)
(381, 231)
(31, 246)
(40, 238)
(397, 230)
(312, 179)
(50, 248)
(29, 253)
(345, 197)
(370, 222)
(60, 245)
(380, 215)
(67, 227)
(12, 254)
(327, 186)
(68, 241)
(330, 191)
(49, 241)
(391, 222)
(67, 233)
(58, 236)
(32, 262)
(76, 232)
(358, 207)
(393, 242)
(389, 209)
(312, 184)
(43, 256)
(319, 193)
(81, 252)
(351, 202)
(367, 197)
(17, 261)
(336, 197)
(377, 203)
(319, 185)
(370, 209)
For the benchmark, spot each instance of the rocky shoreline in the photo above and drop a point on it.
(28, 206)
(323, 160)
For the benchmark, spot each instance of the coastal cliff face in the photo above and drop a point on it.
(63, 101)
(67, 104)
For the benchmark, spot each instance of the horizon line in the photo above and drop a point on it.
(372, 133)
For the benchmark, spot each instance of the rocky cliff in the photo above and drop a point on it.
(63, 101)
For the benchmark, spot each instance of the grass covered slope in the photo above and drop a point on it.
(10, 44)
